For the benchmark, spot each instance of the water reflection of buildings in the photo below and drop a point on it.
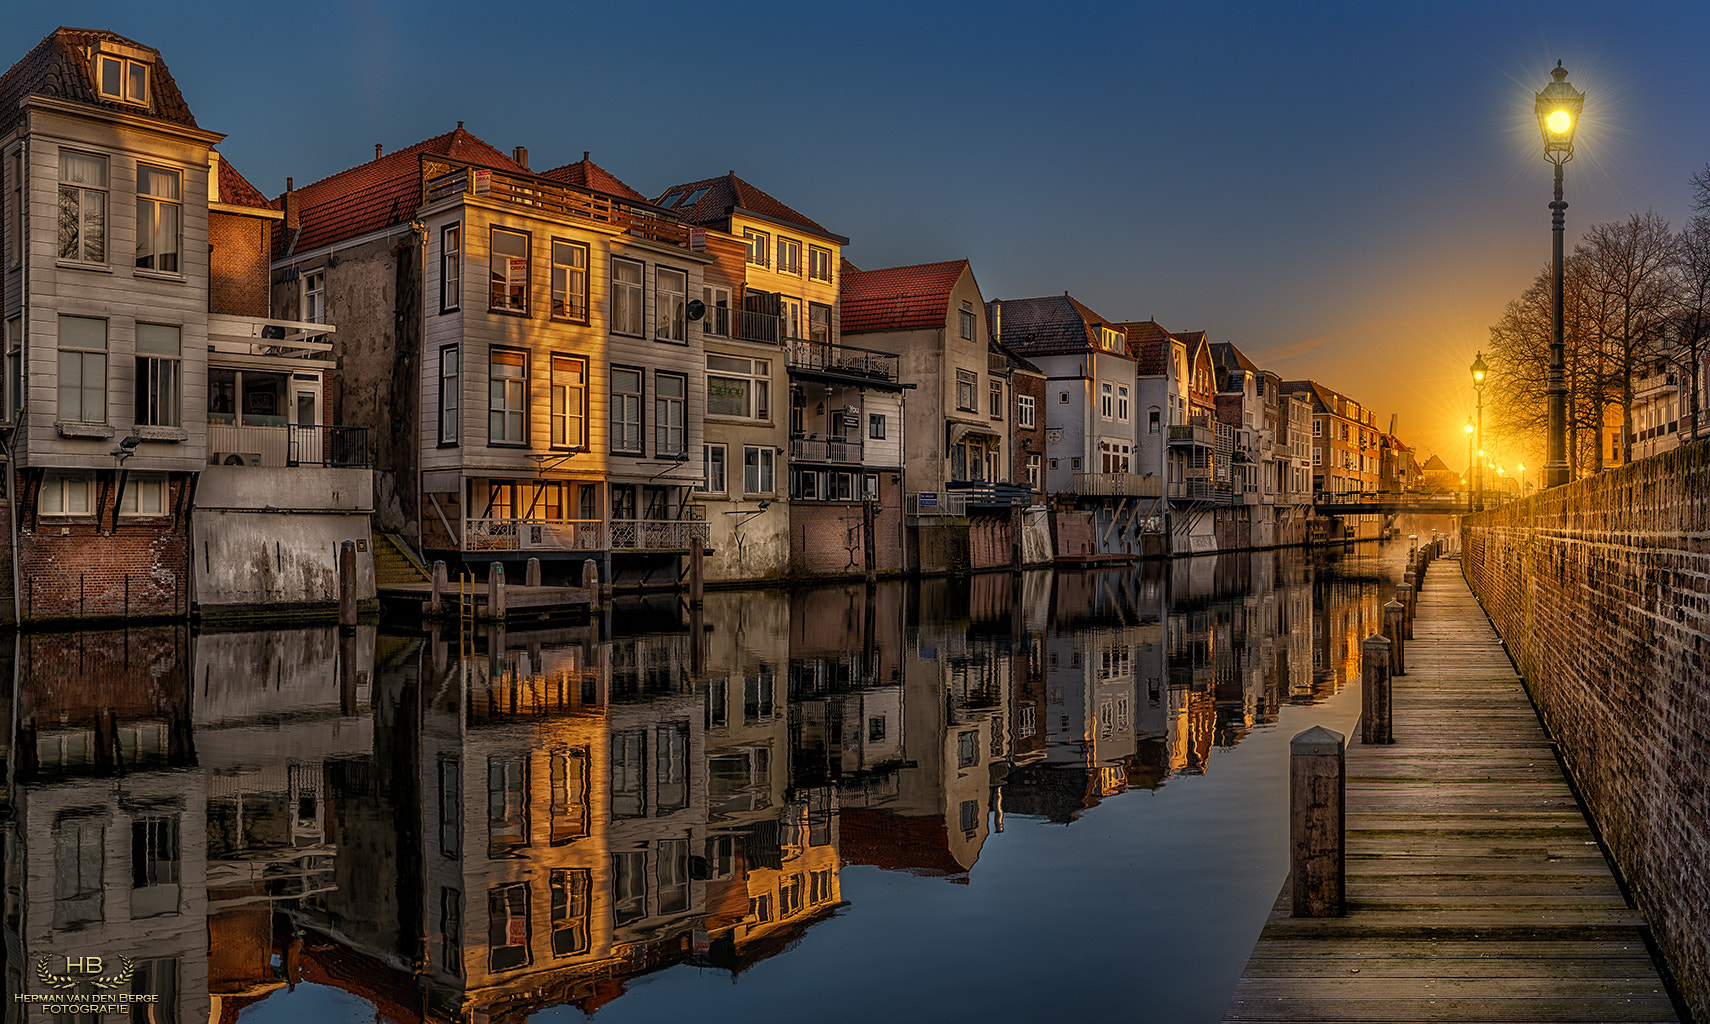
(460, 827)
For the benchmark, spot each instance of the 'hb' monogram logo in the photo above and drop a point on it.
(83, 965)
(91, 969)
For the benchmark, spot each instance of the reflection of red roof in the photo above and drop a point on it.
(899, 298)
(377, 194)
(585, 173)
(235, 189)
(393, 994)
(895, 842)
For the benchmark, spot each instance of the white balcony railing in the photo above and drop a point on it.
(534, 535)
(654, 534)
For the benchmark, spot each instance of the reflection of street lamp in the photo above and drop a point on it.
(1467, 480)
(1478, 372)
(1558, 108)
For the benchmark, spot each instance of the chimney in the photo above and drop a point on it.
(293, 217)
(584, 156)
(997, 319)
(520, 155)
(377, 151)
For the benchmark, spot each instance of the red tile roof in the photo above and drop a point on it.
(1048, 326)
(1149, 344)
(585, 173)
(377, 194)
(235, 189)
(58, 68)
(899, 298)
(728, 193)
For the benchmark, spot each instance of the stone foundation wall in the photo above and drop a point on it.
(1601, 591)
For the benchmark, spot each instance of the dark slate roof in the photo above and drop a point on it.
(59, 67)
(585, 173)
(1323, 399)
(377, 194)
(1149, 344)
(1048, 326)
(898, 298)
(235, 189)
(1015, 361)
(728, 193)
(1228, 357)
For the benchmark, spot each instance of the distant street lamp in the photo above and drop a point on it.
(1558, 108)
(1478, 372)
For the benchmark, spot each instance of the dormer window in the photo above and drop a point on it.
(123, 79)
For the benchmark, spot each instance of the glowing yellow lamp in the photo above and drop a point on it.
(1559, 122)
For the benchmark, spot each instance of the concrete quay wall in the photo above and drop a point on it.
(1601, 591)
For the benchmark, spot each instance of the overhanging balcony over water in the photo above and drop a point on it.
(1183, 435)
(825, 448)
(582, 534)
(1116, 485)
(845, 364)
(289, 445)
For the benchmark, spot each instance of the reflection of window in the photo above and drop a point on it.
(570, 887)
(82, 369)
(569, 402)
(507, 926)
(970, 814)
(507, 805)
(673, 869)
(789, 895)
(82, 207)
(967, 748)
(876, 729)
(760, 908)
(507, 275)
(757, 698)
(629, 773)
(671, 750)
(507, 408)
(629, 887)
(158, 351)
(569, 770)
(569, 280)
(154, 865)
(78, 853)
(451, 929)
(157, 222)
(451, 808)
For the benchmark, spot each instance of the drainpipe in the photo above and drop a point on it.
(17, 414)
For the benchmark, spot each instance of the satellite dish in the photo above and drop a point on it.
(697, 309)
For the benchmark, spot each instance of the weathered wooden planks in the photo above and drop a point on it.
(1476, 891)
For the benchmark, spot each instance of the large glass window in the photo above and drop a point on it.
(569, 402)
(569, 280)
(626, 410)
(739, 387)
(507, 289)
(670, 288)
(449, 396)
(82, 207)
(758, 243)
(450, 267)
(669, 392)
(64, 494)
(819, 322)
(122, 79)
(157, 220)
(712, 469)
(507, 403)
(158, 380)
(757, 469)
(82, 369)
(789, 256)
(626, 297)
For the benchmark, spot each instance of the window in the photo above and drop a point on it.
(1121, 403)
(1053, 465)
(626, 297)
(789, 895)
(507, 926)
(1152, 421)
(1062, 398)
(82, 207)
(450, 808)
(819, 263)
(757, 246)
(1075, 464)
(145, 495)
(1033, 472)
(569, 778)
(450, 267)
(819, 322)
(712, 469)
(629, 887)
(507, 284)
(1112, 338)
(448, 395)
(82, 369)
(789, 317)
(157, 222)
(1024, 411)
(966, 381)
(626, 410)
(569, 402)
(757, 698)
(158, 383)
(717, 319)
(970, 816)
(15, 216)
(967, 748)
(789, 256)
(671, 756)
(122, 79)
(670, 287)
(507, 403)
(629, 772)
(668, 425)
(451, 928)
(876, 426)
(79, 850)
(570, 888)
(1318, 456)
(14, 367)
(154, 865)
(967, 320)
(1317, 428)
(997, 399)
(507, 805)
(757, 469)
(569, 281)
(739, 388)
(314, 297)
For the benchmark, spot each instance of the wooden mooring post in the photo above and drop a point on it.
(1317, 861)
(591, 581)
(436, 596)
(1376, 718)
(496, 591)
(697, 583)
(531, 575)
(347, 585)
(1404, 596)
(1395, 629)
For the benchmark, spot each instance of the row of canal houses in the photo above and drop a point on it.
(445, 351)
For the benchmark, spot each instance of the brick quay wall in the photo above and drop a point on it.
(1601, 591)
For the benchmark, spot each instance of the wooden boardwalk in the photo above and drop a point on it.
(1475, 889)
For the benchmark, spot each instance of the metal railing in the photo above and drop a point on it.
(1116, 485)
(655, 534)
(842, 360)
(288, 445)
(1182, 434)
(326, 446)
(825, 448)
(747, 324)
(979, 495)
(534, 535)
(936, 503)
(443, 177)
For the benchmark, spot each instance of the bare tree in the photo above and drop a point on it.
(1700, 182)
(1691, 315)
(1628, 267)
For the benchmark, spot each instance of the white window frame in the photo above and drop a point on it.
(507, 397)
(1032, 472)
(451, 268)
(789, 317)
(717, 319)
(92, 205)
(568, 394)
(59, 490)
(670, 292)
(86, 361)
(728, 375)
(789, 256)
(503, 292)
(160, 221)
(1024, 411)
(715, 469)
(145, 495)
(628, 290)
(1121, 403)
(569, 281)
(627, 421)
(450, 397)
(758, 465)
(160, 379)
(758, 245)
(670, 422)
(1106, 399)
(133, 78)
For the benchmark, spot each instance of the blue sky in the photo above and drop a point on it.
(1349, 192)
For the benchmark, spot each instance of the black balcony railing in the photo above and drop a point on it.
(842, 361)
(326, 446)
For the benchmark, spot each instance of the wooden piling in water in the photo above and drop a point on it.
(347, 584)
(1395, 630)
(1317, 862)
(1376, 711)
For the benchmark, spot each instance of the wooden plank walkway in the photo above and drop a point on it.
(1475, 889)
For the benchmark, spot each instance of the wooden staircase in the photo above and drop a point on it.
(395, 564)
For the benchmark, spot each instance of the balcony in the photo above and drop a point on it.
(581, 534)
(825, 448)
(1191, 436)
(1116, 485)
(1200, 490)
(936, 503)
(288, 445)
(979, 496)
(845, 363)
(656, 534)
(443, 178)
(744, 324)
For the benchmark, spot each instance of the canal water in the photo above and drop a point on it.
(1004, 798)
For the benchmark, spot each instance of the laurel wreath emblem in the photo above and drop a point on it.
(104, 981)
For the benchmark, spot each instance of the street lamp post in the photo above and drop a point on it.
(1469, 478)
(1478, 372)
(1558, 108)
